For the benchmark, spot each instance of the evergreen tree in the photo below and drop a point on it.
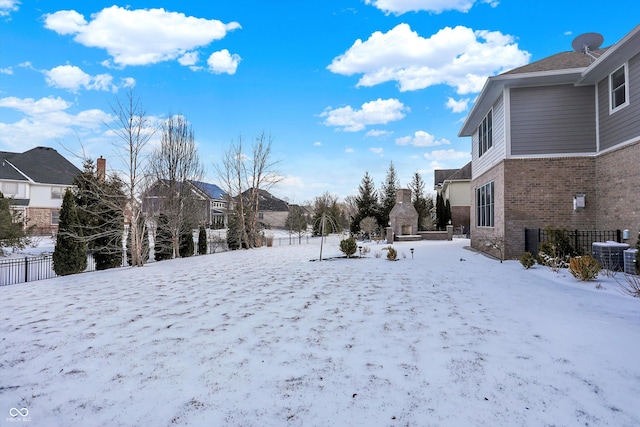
(70, 253)
(100, 203)
(440, 212)
(163, 247)
(447, 213)
(186, 246)
(388, 194)
(12, 234)
(202, 240)
(366, 204)
(234, 236)
(422, 204)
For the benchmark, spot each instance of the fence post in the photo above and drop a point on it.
(26, 269)
(618, 236)
(575, 243)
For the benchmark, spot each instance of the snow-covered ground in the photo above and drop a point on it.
(268, 338)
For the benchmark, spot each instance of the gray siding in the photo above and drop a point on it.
(624, 124)
(496, 153)
(553, 120)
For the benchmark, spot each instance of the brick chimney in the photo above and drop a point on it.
(101, 168)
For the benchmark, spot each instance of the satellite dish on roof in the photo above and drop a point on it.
(586, 43)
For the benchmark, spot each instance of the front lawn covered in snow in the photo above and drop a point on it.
(267, 338)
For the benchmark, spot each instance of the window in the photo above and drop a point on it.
(57, 192)
(55, 217)
(9, 189)
(485, 134)
(484, 205)
(619, 89)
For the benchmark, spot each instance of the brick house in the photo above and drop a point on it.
(211, 202)
(36, 180)
(455, 186)
(556, 143)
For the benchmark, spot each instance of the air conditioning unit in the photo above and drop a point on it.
(630, 261)
(609, 254)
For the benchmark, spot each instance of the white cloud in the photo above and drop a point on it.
(317, 144)
(139, 37)
(376, 150)
(8, 6)
(47, 119)
(349, 150)
(422, 139)
(8, 71)
(189, 59)
(381, 111)
(72, 78)
(398, 7)
(223, 62)
(458, 57)
(447, 155)
(378, 133)
(458, 106)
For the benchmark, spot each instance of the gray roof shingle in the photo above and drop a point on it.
(41, 164)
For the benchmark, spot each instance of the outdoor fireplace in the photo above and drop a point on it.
(403, 218)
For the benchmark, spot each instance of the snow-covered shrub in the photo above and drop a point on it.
(527, 260)
(550, 256)
(348, 246)
(584, 267)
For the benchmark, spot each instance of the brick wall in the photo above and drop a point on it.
(480, 236)
(618, 188)
(41, 218)
(540, 194)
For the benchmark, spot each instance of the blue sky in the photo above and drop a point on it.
(343, 87)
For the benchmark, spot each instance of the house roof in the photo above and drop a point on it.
(559, 61)
(210, 190)
(41, 164)
(563, 68)
(442, 175)
(267, 202)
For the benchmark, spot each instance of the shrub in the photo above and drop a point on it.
(392, 254)
(550, 256)
(584, 267)
(348, 246)
(631, 286)
(202, 240)
(527, 260)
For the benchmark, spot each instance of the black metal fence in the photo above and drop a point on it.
(579, 240)
(28, 269)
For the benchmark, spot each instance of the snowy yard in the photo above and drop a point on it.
(267, 338)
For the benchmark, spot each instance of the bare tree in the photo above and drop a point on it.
(174, 166)
(134, 129)
(244, 177)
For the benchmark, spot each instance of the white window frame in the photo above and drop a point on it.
(485, 205)
(55, 216)
(55, 191)
(624, 87)
(485, 134)
(10, 189)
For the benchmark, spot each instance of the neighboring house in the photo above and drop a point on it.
(211, 201)
(36, 180)
(556, 143)
(272, 212)
(455, 185)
